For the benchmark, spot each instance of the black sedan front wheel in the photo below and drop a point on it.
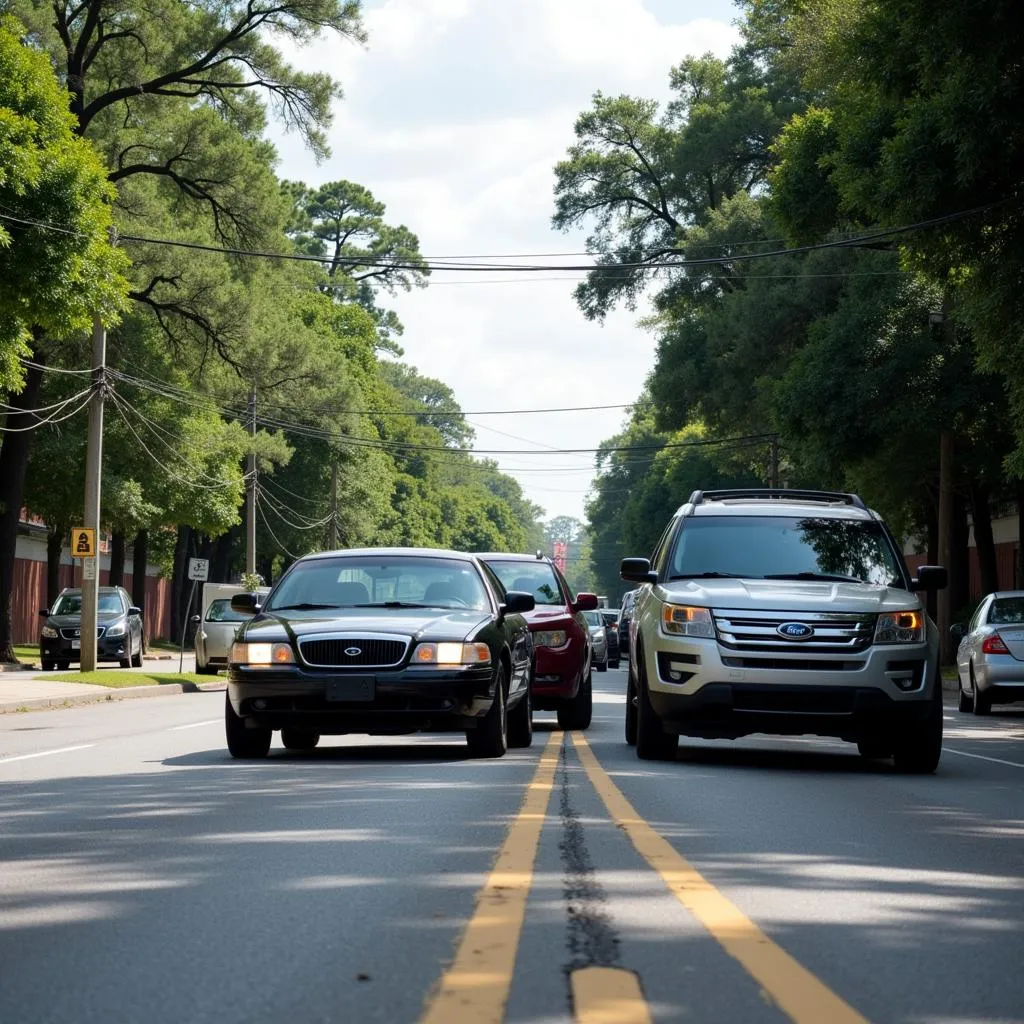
(243, 741)
(520, 720)
(490, 737)
(299, 739)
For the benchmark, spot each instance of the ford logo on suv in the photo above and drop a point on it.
(795, 630)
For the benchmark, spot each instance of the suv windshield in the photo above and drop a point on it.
(380, 580)
(537, 578)
(759, 547)
(71, 604)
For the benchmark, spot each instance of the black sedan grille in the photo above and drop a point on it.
(353, 652)
(74, 632)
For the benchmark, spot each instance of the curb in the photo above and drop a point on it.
(114, 694)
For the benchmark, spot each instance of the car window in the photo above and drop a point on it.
(71, 604)
(594, 619)
(221, 611)
(537, 578)
(610, 618)
(755, 547)
(378, 580)
(1007, 611)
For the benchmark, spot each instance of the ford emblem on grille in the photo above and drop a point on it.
(795, 630)
(353, 652)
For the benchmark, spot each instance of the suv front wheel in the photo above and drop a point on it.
(652, 742)
(918, 749)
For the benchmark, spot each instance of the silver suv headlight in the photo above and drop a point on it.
(902, 627)
(686, 620)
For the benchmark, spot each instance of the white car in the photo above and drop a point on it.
(598, 639)
(217, 625)
(990, 658)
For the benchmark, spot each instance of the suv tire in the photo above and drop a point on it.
(490, 737)
(652, 742)
(244, 742)
(299, 739)
(630, 710)
(917, 750)
(577, 712)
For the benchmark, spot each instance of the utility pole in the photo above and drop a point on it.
(332, 531)
(944, 604)
(93, 480)
(773, 470)
(250, 524)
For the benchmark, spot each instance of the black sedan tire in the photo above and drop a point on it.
(602, 666)
(244, 742)
(520, 720)
(490, 737)
(614, 664)
(125, 662)
(137, 656)
(299, 739)
(63, 666)
(48, 666)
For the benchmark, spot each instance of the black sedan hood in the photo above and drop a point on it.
(419, 623)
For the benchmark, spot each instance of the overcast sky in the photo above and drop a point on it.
(454, 116)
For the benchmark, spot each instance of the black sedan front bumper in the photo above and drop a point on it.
(379, 703)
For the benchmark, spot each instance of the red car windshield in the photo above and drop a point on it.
(537, 578)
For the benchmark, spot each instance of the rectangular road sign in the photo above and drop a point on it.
(88, 568)
(83, 542)
(199, 569)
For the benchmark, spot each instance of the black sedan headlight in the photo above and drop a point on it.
(118, 628)
(449, 655)
(257, 654)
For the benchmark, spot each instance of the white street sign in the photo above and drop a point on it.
(199, 569)
(89, 568)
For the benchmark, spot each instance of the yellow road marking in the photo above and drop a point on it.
(797, 992)
(607, 995)
(474, 990)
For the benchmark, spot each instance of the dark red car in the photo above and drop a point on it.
(561, 636)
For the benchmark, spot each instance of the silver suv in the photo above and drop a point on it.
(786, 612)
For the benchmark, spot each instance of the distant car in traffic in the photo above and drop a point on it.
(217, 624)
(384, 641)
(625, 617)
(562, 682)
(118, 629)
(611, 627)
(990, 656)
(598, 639)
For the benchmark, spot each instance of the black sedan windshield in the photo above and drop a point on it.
(71, 604)
(355, 581)
(782, 547)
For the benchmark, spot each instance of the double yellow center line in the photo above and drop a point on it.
(475, 988)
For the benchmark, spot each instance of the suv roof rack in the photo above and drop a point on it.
(779, 494)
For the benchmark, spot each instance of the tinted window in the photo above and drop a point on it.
(594, 619)
(537, 578)
(71, 604)
(221, 611)
(376, 580)
(1007, 611)
(610, 618)
(755, 547)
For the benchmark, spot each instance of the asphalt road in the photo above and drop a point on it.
(146, 877)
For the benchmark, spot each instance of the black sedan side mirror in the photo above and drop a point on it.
(134, 610)
(195, 620)
(517, 602)
(247, 604)
(957, 630)
(44, 612)
(637, 570)
(930, 577)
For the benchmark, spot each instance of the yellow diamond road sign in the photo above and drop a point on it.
(83, 542)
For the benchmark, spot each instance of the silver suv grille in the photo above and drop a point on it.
(834, 632)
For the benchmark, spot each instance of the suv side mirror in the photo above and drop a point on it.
(247, 604)
(585, 603)
(637, 570)
(957, 630)
(135, 610)
(44, 612)
(930, 577)
(518, 601)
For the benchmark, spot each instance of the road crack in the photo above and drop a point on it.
(591, 938)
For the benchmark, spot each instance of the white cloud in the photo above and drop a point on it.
(455, 114)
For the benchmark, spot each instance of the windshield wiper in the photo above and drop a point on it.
(395, 604)
(304, 607)
(709, 576)
(825, 576)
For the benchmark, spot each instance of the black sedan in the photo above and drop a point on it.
(384, 641)
(118, 629)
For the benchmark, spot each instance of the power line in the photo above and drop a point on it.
(439, 265)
